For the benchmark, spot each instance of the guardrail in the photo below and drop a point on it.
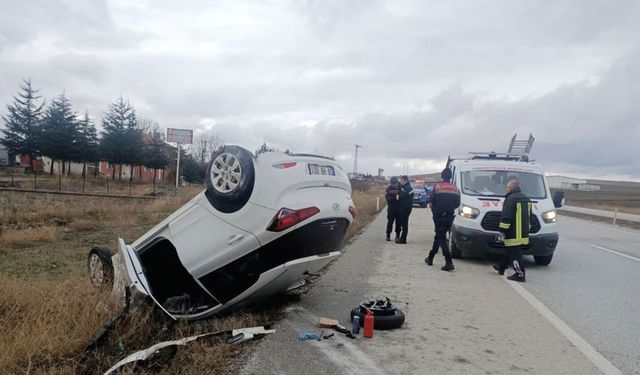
(614, 215)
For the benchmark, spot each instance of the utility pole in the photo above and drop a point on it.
(355, 161)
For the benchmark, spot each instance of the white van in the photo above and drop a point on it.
(481, 179)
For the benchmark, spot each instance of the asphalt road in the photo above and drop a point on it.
(593, 284)
(470, 321)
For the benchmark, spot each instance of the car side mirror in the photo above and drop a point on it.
(558, 199)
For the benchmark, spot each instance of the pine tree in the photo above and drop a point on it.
(87, 142)
(22, 123)
(117, 129)
(60, 132)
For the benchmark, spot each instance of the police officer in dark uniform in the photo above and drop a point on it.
(393, 207)
(514, 225)
(444, 200)
(406, 205)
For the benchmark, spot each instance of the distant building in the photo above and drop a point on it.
(570, 183)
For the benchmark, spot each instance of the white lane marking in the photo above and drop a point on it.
(610, 227)
(581, 344)
(616, 253)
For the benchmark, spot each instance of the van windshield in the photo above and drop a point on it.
(493, 183)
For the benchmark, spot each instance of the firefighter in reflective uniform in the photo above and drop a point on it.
(393, 207)
(444, 200)
(514, 225)
(406, 205)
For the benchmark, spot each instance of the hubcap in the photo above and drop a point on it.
(96, 270)
(226, 173)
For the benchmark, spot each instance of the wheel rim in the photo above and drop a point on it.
(226, 173)
(96, 270)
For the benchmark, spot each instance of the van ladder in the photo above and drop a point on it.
(520, 146)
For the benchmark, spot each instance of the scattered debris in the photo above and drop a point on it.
(168, 349)
(327, 323)
(304, 336)
(326, 337)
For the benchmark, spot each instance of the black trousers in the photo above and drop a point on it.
(513, 258)
(393, 215)
(405, 212)
(443, 225)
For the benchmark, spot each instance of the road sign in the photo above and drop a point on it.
(179, 135)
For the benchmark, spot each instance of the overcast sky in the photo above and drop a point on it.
(411, 81)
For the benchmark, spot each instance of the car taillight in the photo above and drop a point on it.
(285, 165)
(353, 212)
(286, 218)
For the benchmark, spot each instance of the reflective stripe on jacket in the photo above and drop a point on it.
(515, 222)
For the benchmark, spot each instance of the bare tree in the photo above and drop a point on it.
(204, 145)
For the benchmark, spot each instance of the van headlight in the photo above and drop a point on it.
(549, 216)
(469, 212)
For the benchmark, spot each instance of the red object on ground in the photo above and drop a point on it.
(368, 325)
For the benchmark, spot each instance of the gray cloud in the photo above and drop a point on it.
(413, 81)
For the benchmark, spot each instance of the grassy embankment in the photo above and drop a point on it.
(49, 311)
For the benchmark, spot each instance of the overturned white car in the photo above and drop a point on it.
(263, 225)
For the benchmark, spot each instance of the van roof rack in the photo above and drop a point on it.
(498, 156)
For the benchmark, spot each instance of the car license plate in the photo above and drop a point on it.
(322, 170)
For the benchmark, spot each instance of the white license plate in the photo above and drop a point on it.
(322, 170)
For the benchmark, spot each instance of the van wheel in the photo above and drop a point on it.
(456, 252)
(100, 267)
(543, 260)
(230, 178)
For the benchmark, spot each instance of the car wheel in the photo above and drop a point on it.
(230, 178)
(543, 260)
(100, 267)
(382, 322)
(456, 252)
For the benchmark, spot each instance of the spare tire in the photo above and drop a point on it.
(230, 178)
(385, 314)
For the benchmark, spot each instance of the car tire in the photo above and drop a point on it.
(456, 252)
(100, 267)
(230, 179)
(382, 322)
(543, 260)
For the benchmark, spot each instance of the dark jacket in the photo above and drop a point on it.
(515, 220)
(406, 196)
(392, 195)
(444, 200)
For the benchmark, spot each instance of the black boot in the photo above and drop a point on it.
(498, 268)
(517, 277)
(429, 259)
(397, 236)
(388, 237)
(448, 266)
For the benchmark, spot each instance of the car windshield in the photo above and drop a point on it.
(417, 186)
(493, 183)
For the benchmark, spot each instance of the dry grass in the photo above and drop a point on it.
(48, 311)
(29, 236)
(365, 202)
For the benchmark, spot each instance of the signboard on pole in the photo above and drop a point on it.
(179, 135)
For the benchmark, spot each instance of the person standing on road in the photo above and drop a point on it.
(393, 207)
(444, 200)
(514, 225)
(406, 204)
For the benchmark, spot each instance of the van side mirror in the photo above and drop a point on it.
(558, 199)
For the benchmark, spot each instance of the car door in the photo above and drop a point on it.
(205, 242)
